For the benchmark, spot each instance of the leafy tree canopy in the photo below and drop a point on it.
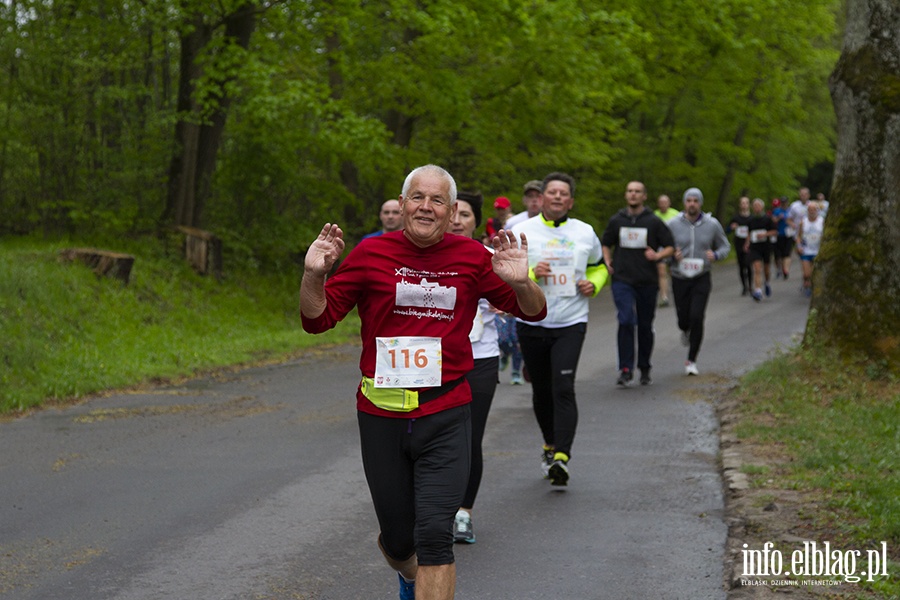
(327, 106)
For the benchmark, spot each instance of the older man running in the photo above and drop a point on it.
(417, 291)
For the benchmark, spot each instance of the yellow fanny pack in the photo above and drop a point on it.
(402, 399)
(395, 399)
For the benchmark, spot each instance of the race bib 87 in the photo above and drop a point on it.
(633, 237)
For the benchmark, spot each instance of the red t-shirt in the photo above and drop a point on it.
(492, 227)
(403, 290)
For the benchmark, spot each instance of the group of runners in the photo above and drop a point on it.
(432, 303)
(762, 235)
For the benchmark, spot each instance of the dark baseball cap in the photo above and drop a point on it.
(534, 184)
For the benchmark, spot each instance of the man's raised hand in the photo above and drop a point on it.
(510, 260)
(325, 251)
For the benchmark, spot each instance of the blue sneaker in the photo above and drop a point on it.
(407, 590)
(768, 291)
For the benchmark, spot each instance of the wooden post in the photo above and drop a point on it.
(102, 262)
(203, 250)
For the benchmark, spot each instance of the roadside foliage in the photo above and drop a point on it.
(260, 120)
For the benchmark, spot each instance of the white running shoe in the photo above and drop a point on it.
(546, 461)
(690, 368)
(462, 528)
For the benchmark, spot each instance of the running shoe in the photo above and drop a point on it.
(462, 528)
(757, 295)
(516, 378)
(645, 377)
(685, 338)
(690, 368)
(663, 302)
(625, 377)
(785, 275)
(807, 291)
(407, 589)
(546, 461)
(559, 470)
(504, 361)
(768, 291)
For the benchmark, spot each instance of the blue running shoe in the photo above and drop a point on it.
(768, 291)
(407, 590)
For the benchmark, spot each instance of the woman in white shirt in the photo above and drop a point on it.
(809, 238)
(483, 376)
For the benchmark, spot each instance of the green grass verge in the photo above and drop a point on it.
(66, 333)
(836, 431)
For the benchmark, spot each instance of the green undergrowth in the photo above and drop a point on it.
(66, 333)
(833, 429)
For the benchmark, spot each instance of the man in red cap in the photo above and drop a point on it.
(501, 214)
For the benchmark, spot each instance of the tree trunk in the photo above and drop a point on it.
(721, 209)
(349, 173)
(239, 27)
(857, 276)
(198, 139)
(183, 168)
(12, 72)
(203, 251)
(103, 262)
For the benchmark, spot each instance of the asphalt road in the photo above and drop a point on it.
(249, 485)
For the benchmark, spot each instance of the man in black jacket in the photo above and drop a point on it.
(634, 241)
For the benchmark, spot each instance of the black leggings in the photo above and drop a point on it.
(483, 381)
(417, 471)
(551, 356)
(745, 267)
(691, 297)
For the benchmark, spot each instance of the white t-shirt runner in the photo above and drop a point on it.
(569, 249)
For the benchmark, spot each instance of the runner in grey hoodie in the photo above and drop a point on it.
(699, 241)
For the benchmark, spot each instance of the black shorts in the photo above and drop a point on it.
(417, 471)
(784, 246)
(759, 252)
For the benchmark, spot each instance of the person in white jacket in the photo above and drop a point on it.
(565, 259)
(700, 240)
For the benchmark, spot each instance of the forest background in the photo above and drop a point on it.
(261, 120)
